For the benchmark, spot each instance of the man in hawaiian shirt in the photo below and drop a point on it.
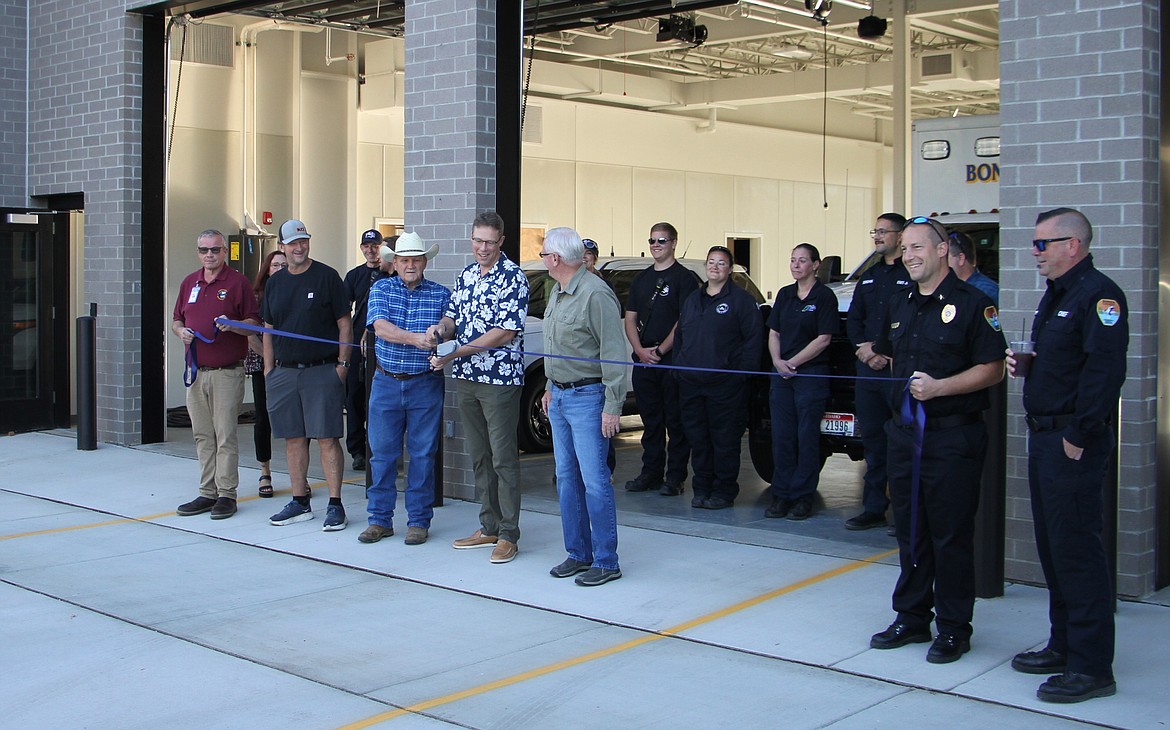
(485, 317)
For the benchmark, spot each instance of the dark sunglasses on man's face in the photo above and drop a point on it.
(217, 249)
(663, 241)
(1041, 244)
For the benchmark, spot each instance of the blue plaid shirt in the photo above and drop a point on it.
(409, 310)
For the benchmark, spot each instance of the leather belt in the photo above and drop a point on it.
(303, 365)
(400, 376)
(942, 422)
(576, 383)
(233, 366)
(1036, 424)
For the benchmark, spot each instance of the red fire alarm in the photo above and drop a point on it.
(266, 217)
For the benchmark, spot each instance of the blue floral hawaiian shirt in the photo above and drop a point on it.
(497, 300)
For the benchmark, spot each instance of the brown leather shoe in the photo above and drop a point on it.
(505, 551)
(477, 540)
(374, 533)
(415, 535)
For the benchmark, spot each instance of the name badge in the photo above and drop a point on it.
(194, 297)
(310, 295)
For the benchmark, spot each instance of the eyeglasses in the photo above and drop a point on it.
(938, 228)
(485, 241)
(653, 241)
(546, 253)
(883, 231)
(278, 266)
(217, 249)
(1040, 244)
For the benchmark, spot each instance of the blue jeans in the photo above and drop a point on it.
(798, 404)
(588, 511)
(411, 408)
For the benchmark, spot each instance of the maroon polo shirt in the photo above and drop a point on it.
(230, 295)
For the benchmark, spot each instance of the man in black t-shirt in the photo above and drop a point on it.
(652, 310)
(305, 379)
(358, 281)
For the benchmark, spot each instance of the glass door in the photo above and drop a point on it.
(26, 323)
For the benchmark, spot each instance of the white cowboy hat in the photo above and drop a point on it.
(409, 244)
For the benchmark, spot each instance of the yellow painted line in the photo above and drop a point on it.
(602, 653)
(145, 518)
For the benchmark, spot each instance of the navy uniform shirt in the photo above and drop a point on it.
(953, 329)
(866, 320)
(1081, 331)
(657, 297)
(800, 321)
(724, 332)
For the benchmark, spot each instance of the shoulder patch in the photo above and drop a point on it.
(1108, 311)
(991, 314)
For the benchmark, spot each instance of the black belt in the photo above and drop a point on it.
(1036, 424)
(401, 376)
(941, 422)
(233, 366)
(576, 383)
(303, 365)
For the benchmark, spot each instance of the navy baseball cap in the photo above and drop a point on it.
(371, 236)
(590, 244)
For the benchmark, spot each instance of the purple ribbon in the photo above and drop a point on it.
(914, 412)
(191, 369)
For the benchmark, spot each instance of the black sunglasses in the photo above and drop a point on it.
(1041, 244)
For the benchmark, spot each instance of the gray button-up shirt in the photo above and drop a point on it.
(584, 320)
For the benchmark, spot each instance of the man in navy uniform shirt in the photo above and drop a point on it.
(945, 341)
(1081, 333)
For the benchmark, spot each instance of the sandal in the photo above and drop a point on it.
(265, 489)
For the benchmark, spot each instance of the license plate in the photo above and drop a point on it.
(837, 424)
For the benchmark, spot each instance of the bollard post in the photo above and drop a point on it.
(990, 528)
(87, 381)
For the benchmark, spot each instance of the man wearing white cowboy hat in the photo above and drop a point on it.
(406, 398)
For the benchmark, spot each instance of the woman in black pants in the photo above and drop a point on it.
(254, 366)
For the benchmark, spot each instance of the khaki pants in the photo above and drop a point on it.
(490, 414)
(213, 403)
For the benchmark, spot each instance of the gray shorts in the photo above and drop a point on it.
(306, 403)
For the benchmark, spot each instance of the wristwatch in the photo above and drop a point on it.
(343, 363)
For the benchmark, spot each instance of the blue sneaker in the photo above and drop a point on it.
(294, 511)
(334, 518)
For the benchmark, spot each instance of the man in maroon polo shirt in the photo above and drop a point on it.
(213, 400)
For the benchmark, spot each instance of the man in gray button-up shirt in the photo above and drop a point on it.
(583, 400)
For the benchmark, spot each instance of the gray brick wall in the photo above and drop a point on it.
(450, 171)
(13, 102)
(1079, 108)
(84, 136)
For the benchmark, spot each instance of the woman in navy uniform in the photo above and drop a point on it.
(803, 322)
(947, 349)
(718, 328)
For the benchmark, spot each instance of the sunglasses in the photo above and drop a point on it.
(1041, 244)
(938, 228)
(653, 241)
(217, 249)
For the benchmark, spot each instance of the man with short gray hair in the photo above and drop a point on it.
(583, 399)
(213, 399)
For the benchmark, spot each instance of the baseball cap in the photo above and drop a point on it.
(292, 230)
(371, 236)
(590, 244)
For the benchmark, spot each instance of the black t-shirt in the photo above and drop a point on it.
(943, 334)
(309, 303)
(358, 281)
(800, 321)
(657, 297)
